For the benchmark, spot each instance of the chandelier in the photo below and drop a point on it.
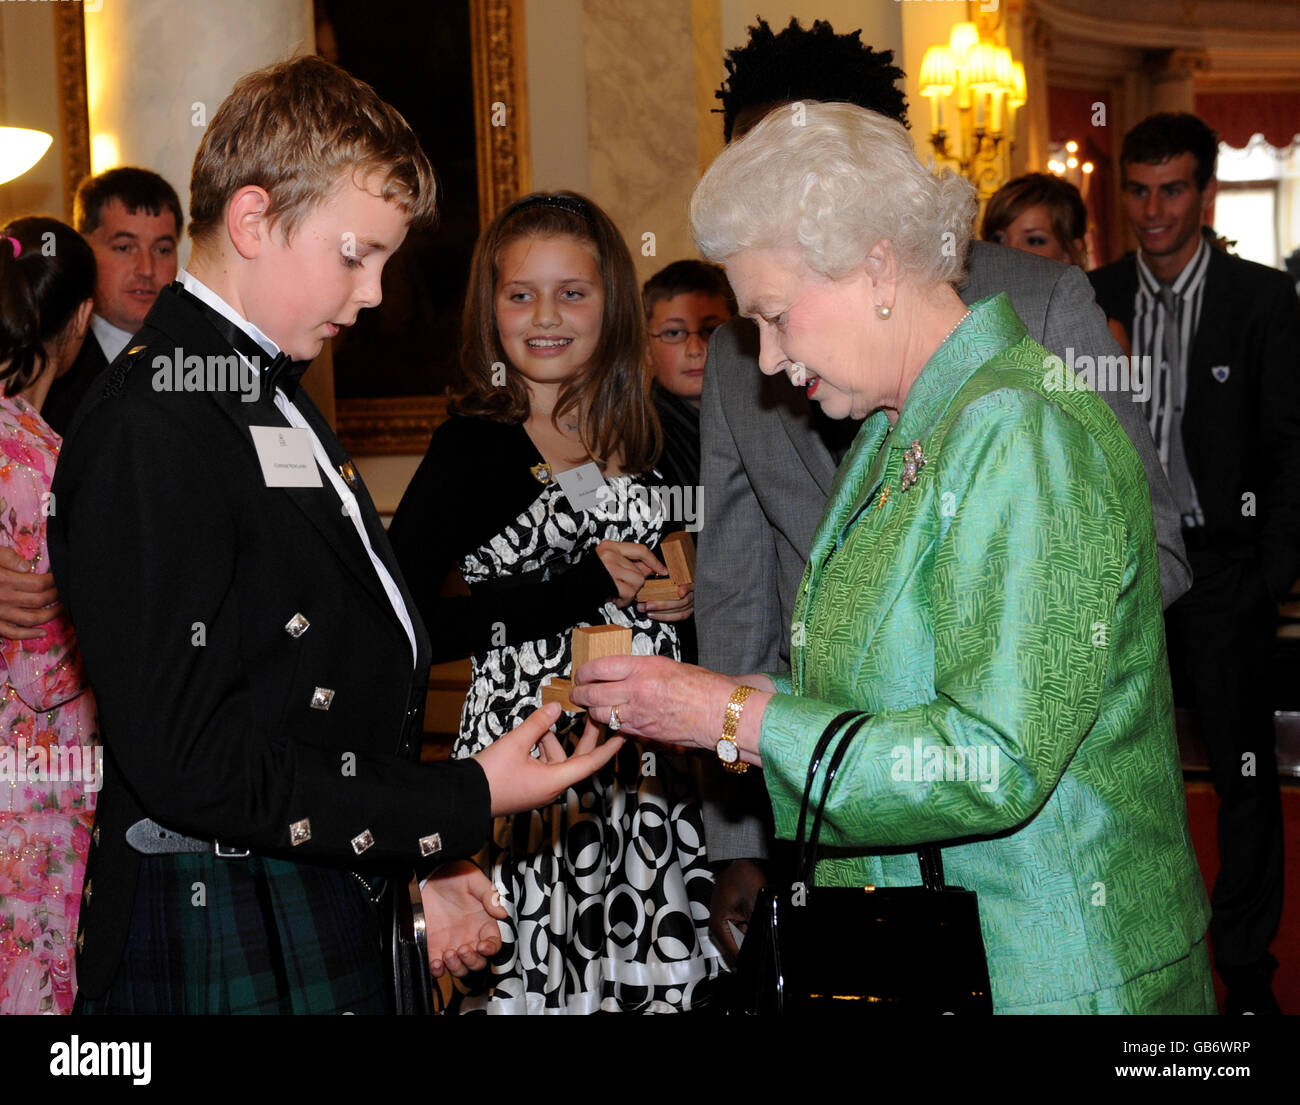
(975, 89)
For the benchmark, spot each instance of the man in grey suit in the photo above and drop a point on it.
(768, 457)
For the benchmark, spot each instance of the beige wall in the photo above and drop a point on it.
(620, 96)
(557, 94)
(881, 21)
(29, 97)
(612, 102)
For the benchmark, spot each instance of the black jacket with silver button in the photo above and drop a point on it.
(255, 685)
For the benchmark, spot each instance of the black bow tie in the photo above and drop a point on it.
(277, 372)
(283, 373)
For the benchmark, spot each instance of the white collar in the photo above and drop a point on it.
(112, 339)
(1187, 280)
(200, 290)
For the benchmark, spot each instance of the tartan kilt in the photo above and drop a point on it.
(255, 935)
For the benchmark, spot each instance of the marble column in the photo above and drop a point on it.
(156, 71)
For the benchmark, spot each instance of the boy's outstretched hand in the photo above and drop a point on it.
(460, 904)
(517, 781)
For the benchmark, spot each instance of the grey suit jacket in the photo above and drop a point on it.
(767, 473)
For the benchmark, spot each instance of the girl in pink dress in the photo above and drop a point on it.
(49, 755)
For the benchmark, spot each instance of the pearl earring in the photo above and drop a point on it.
(883, 312)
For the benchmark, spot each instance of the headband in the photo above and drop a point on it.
(18, 246)
(570, 204)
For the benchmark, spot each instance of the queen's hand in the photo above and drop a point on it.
(660, 700)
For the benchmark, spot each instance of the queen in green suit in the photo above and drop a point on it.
(984, 584)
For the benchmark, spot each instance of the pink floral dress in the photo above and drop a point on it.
(50, 763)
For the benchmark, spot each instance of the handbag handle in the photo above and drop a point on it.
(819, 750)
(807, 870)
(929, 856)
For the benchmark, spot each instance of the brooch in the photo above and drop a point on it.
(541, 472)
(913, 461)
(348, 471)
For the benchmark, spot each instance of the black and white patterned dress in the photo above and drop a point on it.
(607, 888)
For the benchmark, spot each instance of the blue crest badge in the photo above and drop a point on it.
(1220, 372)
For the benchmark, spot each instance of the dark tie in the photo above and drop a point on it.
(284, 374)
(1176, 468)
(277, 372)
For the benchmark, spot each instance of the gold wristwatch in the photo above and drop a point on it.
(728, 750)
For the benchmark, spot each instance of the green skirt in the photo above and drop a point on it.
(254, 935)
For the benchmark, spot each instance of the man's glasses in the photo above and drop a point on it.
(677, 336)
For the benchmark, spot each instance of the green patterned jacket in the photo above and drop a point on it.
(1001, 619)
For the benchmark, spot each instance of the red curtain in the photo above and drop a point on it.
(1239, 115)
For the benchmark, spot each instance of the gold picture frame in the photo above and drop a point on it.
(74, 115)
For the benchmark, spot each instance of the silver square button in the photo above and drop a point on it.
(300, 832)
(296, 626)
(362, 841)
(431, 845)
(321, 698)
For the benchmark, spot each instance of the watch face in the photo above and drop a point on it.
(728, 753)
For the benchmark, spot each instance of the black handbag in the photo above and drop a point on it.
(861, 950)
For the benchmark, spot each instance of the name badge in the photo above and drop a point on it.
(581, 486)
(286, 456)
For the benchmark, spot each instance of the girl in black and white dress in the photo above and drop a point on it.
(534, 491)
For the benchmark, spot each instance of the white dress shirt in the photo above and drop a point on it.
(199, 290)
(112, 340)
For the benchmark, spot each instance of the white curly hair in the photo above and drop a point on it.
(834, 179)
